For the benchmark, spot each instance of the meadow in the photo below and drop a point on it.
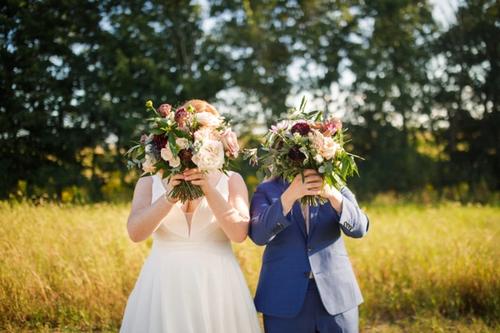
(421, 268)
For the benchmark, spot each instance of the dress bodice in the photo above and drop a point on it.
(204, 226)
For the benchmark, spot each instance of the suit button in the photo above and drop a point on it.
(309, 249)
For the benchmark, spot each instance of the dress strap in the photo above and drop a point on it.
(157, 188)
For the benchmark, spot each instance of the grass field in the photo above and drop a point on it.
(421, 269)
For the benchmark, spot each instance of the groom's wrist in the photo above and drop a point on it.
(336, 199)
(287, 201)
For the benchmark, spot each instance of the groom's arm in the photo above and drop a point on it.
(267, 218)
(353, 220)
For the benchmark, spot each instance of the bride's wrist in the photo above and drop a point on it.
(168, 199)
(207, 190)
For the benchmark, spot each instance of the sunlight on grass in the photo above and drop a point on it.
(420, 268)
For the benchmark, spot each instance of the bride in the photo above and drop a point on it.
(191, 281)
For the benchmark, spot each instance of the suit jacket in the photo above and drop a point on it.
(291, 253)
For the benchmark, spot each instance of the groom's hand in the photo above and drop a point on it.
(334, 196)
(309, 184)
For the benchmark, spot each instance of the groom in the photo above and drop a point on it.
(306, 281)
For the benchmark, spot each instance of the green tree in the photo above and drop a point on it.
(70, 85)
(391, 93)
(467, 93)
(42, 129)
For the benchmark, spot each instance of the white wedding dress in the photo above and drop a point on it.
(191, 282)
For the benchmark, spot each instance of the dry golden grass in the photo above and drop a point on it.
(421, 269)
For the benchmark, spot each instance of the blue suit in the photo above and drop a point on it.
(292, 254)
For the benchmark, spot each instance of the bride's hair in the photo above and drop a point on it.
(200, 105)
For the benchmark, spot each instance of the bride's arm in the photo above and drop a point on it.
(233, 215)
(145, 217)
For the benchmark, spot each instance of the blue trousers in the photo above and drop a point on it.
(313, 318)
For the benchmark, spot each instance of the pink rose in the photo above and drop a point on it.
(168, 156)
(230, 142)
(325, 145)
(181, 116)
(164, 109)
(329, 148)
(331, 127)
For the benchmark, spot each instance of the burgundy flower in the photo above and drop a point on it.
(185, 155)
(301, 128)
(159, 142)
(164, 109)
(180, 116)
(296, 155)
(331, 127)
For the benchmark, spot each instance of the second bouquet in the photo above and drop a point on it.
(305, 140)
(192, 136)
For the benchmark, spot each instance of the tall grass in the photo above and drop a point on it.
(420, 268)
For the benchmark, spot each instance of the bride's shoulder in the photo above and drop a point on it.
(235, 180)
(144, 182)
(142, 191)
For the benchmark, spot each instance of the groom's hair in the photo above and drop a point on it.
(200, 105)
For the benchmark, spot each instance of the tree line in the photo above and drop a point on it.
(420, 98)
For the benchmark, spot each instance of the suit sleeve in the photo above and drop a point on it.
(266, 217)
(353, 220)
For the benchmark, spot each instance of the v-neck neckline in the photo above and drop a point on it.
(194, 213)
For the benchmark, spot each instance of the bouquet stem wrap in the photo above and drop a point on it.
(186, 191)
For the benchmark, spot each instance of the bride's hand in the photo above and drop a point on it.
(171, 182)
(197, 177)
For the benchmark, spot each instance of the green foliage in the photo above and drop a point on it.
(71, 85)
(286, 154)
(71, 90)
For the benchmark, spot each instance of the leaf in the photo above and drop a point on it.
(172, 144)
(157, 131)
(303, 103)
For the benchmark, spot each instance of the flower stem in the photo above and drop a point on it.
(186, 191)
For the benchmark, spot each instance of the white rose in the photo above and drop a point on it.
(182, 143)
(166, 154)
(207, 119)
(210, 155)
(318, 158)
(206, 133)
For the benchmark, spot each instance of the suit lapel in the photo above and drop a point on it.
(296, 211)
(299, 218)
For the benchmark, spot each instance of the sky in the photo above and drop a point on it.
(444, 11)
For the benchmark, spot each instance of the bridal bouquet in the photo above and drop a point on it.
(184, 139)
(306, 141)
